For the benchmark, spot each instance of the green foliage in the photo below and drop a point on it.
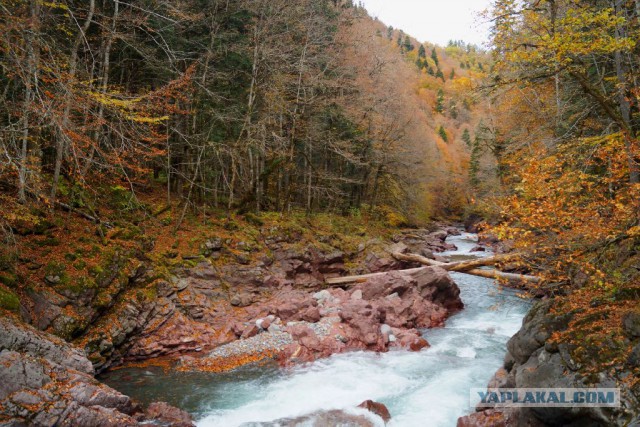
(443, 133)
(434, 56)
(474, 164)
(9, 300)
(440, 102)
(466, 137)
(422, 52)
(408, 45)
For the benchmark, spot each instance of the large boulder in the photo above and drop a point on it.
(45, 382)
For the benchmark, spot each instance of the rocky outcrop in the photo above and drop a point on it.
(129, 311)
(534, 360)
(46, 382)
(206, 306)
(298, 326)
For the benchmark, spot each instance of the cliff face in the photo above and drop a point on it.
(535, 360)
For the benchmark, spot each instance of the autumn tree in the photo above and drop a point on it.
(565, 81)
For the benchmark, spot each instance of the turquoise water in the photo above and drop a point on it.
(430, 386)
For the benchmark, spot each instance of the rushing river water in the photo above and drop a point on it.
(430, 387)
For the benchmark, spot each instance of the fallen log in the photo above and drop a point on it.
(455, 266)
(364, 277)
(468, 267)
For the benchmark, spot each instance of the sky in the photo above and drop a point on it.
(435, 21)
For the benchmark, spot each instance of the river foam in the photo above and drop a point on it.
(428, 387)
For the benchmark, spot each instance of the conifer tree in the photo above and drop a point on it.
(443, 134)
(440, 101)
(408, 46)
(466, 137)
(434, 56)
(422, 53)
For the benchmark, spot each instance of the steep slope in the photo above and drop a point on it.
(417, 101)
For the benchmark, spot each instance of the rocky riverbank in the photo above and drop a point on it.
(535, 359)
(44, 381)
(213, 316)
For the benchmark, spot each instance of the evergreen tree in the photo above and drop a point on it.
(400, 38)
(474, 164)
(453, 74)
(443, 134)
(440, 101)
(466, 137)
(408, 46)
(430, 71)
(462, 65)
(434, 56)
(439, 74)
(453, 110)
(390, 32)
(422, 52)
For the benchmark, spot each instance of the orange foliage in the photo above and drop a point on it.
(570, 205)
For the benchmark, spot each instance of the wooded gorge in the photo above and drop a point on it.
(177, 176)
(229, 104)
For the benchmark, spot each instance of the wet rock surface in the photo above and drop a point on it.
(45, 382)
(534, 361)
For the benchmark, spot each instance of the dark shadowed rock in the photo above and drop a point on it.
(631, 323)
(534, 361)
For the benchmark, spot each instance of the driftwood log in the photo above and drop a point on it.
(467, 267)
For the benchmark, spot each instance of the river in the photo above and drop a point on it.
(430, 387)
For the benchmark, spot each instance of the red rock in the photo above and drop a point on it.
(488, 418)
(377, 408)
(250, 331)
(299, 331)
(166, 414)
(312, 315)
(266, 323)
(418, 344)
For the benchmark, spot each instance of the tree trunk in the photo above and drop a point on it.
(73, 64)
(30, 88)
